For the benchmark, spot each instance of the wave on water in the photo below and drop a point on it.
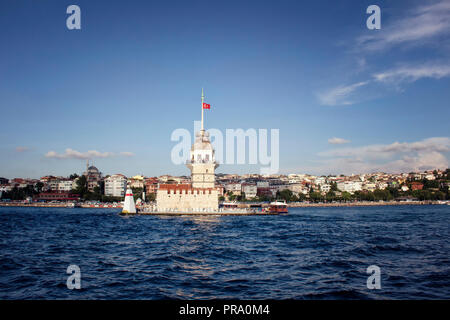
(311, 253)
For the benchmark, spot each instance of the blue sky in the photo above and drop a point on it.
(346, 99)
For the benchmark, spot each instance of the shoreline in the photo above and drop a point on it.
(290, 205)
(365, 204)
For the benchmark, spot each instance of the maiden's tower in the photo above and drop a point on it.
(201, 195)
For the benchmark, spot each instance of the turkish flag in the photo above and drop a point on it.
(206, 106)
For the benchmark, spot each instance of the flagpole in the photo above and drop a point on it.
(203, 98)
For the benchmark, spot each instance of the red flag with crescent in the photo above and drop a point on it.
(206, 106)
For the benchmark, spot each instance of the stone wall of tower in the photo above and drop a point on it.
(202, 175)
(193, 200)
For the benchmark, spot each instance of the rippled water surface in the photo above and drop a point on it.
(311, 253)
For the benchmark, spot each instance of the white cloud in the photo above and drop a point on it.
(73, 154)
(395, 157)
(336, 140)
(419, 26)
(414, 73)
(422, 161)
(127, 154)
(340, 95)
(346, 95)
(426, 26)
(436, 144)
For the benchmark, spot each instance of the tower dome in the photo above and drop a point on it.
(202, 142)
(92, 169)
(202, 150)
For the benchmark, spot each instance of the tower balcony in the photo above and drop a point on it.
(200, 162)
(190, 163)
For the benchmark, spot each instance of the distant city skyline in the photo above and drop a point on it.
(188, 176)
(345, 99)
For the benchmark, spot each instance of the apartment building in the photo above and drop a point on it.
(116, 185)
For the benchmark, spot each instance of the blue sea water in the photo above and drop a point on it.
(311, 253)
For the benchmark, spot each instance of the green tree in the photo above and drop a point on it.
(330, 196)
(151, 197)
(346, 196)
(334, 187)
(73, 176)
(285, 194)
(430, 184)
(264, 198)
(38, 187)
(137, 193)
(81, 187)
(301, 196)
(19, 193)
(394, 192)
(316, 197)
(382, 195)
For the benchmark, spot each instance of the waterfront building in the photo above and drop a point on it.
(93, 176)
(276, 188)
(45, 179)
(65, 185)
(184, 180)
(369, 186)
(297, 188)
(53, 184)
(56, 196)
(18, 182)
(4, 181)
(164, 178)
(201, 194)
(382, 185)
(151, 185)
(349, 186)
(264, 192)
(137, 182)
(262, 184)
(250, 190)
(416, 186)
(320, 180)
(220, 190)
(235, 188)
(325, 188)
(115, 185)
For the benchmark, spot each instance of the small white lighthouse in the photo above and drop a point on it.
(128, 205)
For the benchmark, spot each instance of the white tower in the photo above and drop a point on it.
(201, 195)
(129, 206)
(202, 162)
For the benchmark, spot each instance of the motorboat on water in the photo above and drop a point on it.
(278, 206)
